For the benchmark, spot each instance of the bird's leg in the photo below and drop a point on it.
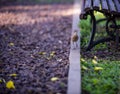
(75, 45)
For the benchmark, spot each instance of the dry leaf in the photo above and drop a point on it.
(84, 68)
(14, 75)
(54, 78)
(11, 44)
(52, 53)
(83, 60)
(10, 85)
(59, 60)
(42, 53)
(95, 57)
(94, 61)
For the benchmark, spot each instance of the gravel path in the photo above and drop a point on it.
(36, 42)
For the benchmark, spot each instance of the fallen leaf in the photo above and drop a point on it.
(52, 53)
(11, 44)
(84, 67)
(42, 53)
(48, 58)
(54, 78)
(94, 61)
(98, 68)
(13, 75)
(4, 80)
(0, 80)
(10, 85)
(95, 57)
(83, 60)
(59, 60)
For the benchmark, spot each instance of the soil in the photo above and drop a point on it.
(35, 43)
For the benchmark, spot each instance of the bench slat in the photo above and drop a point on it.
(117, 4)
(96, 4)
(88, 4)
(104, 6)
(111, 6)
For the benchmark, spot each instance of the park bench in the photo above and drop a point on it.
(111, 11)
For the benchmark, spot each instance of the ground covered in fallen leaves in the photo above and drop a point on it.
(34, 48)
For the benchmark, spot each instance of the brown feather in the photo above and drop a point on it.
(75, 37)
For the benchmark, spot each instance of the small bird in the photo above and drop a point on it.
(75, 38)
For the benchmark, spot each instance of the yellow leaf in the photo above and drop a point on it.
(54, 78)
(0, 80)
(83, 60)
(52, 53)
(10, 85)
(98, 68)
(14, 75)
(84, 68)
(42, 53)
(11, 44)
(95, 57)
(94, 61)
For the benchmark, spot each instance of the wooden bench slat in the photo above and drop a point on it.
(88, 5)
(104, 6)
(117, 4)
(111, 6)
(96, 4)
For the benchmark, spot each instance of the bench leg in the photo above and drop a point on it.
(111, 30)
(92, 32)
(115, 30)
(102, 40)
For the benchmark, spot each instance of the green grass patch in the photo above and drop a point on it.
(100, 76)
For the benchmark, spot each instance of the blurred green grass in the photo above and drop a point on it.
(100, 76)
